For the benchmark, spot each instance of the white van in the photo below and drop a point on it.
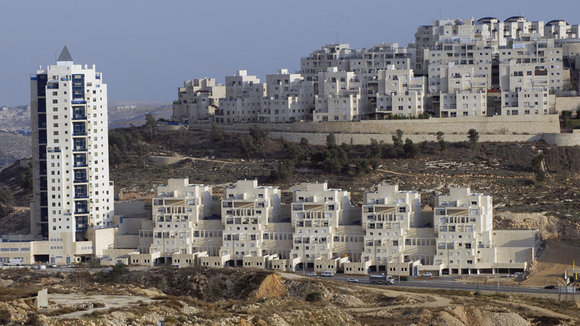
(327, 274)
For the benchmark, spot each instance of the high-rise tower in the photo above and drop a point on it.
(72, 191)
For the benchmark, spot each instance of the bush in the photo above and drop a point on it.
(313, 297)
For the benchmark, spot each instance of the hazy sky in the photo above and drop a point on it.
(146, 49)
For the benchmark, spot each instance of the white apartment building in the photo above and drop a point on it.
(440, 31)
(340, 96)
(243, 99)
(400, 92)
(178, 208)
(323, 235)
(321, 231)
(391, 219)
(462, 91)
(463, 222)
(246, 210)
(289, 98)
(473, 54)
(72, 204)
(198, 100)
(330, 55)
(366, 63)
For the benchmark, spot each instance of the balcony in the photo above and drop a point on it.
(81, 196)
(79, 117)
(80, 164)
(79, 149)
(80, 180)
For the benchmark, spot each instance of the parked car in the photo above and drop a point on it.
(327, 274)
(352, 280)
(311, 274)
(550, 287)
(427, 274)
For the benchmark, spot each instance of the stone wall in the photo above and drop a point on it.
(571, 103)
(502, 125)
(570, 139)
(490, 129)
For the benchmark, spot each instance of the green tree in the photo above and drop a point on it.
(283, 172)
(409, 148)
(442, 143)
(398, 139)
(375, 149)
(473, 137)
(150, 125)
(330, 140)
(539, 167)
(217, 135)
(246, 144)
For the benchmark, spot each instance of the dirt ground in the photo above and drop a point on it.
(550, 266)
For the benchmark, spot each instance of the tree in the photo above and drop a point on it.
(398, 139)
(260, 138)
(473, 137)
(151, 125)
(284, 171)
(330, 140)
(375, 149)
(410, 149)
(442, 143)
(539, 167)
(246, 144)
(217, 135)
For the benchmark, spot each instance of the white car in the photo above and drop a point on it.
(428, 274)
(311, 274)
(352, 280)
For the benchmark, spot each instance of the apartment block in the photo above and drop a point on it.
(391, 219)
(72, 205)
(289, 98)
(320, 230)
(198, 100)
(400, 92)
(340, 96)
(243, 99)
(247, 209)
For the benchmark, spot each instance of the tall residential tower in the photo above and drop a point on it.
(72, 191)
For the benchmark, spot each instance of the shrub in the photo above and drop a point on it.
(313, 297)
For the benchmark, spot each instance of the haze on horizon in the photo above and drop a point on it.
(146, 49)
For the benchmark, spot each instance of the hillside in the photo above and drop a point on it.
(504, 170)
(196, 296)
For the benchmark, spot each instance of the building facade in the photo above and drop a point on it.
(320, 230)
(72, 205)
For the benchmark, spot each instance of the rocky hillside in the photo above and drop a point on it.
(241, 297)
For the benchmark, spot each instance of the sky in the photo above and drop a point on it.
(146, 49)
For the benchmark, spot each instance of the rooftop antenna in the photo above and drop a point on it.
(336, 35)
(439, 13)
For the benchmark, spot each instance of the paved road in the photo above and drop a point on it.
(437, 283)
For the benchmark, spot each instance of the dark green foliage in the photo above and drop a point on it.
(284, 171)
(217, 135)
(313, 297)
(114, 275)
(398, 139)
(410, 149)
(246, 144)
(127, 145)
(538, 167)
(330, 140)
(473, 137)
(362, 167)
(443, 145)
(150, 126)
(375, 149)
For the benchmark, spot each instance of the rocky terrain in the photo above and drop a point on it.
(195, 296)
